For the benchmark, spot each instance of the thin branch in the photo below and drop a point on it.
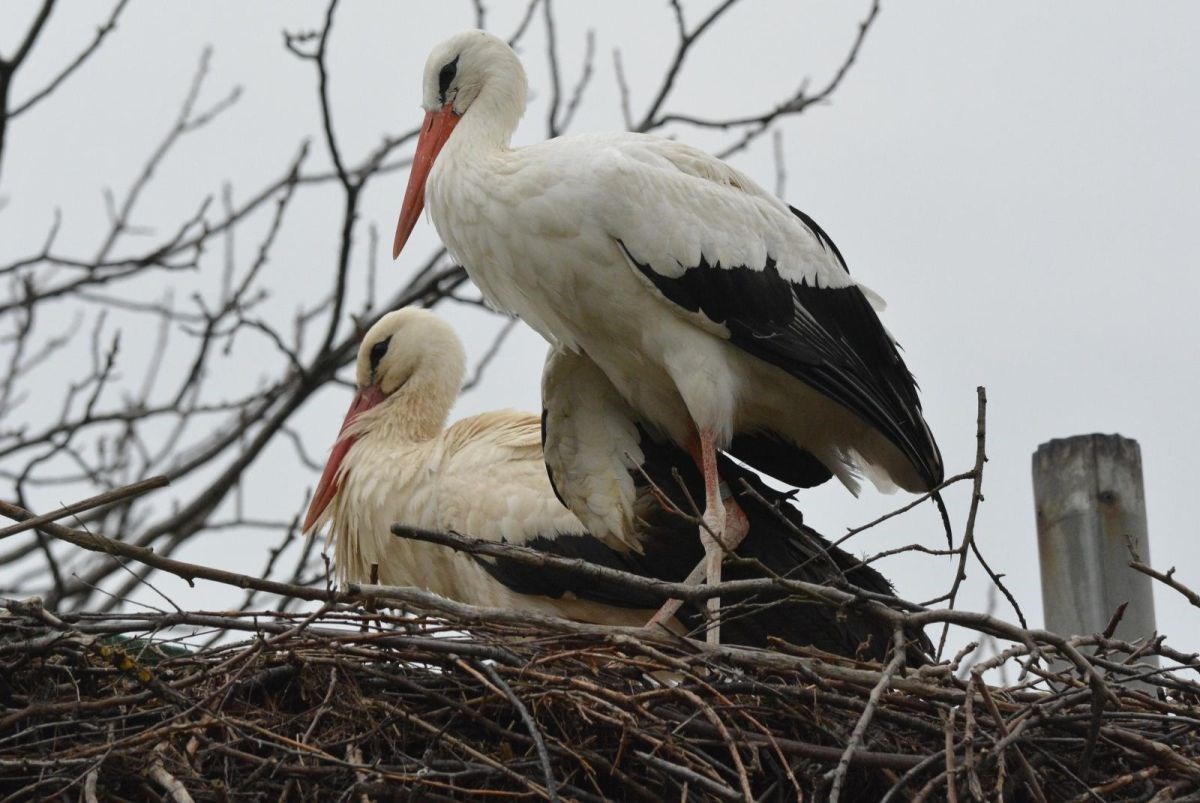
(523, 25)
(323, 92)
(101, 33)
(539, 742)
(623, 87)
(31, 36)
(838, 775)
(585, 77)
(9, 67)
(1167, 578)
(552, 128)
(686, 41)
(492, 351)
(960, 572)
(100, 500)
(186, 121)
(480, 14)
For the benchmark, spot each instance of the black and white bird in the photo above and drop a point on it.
(636, 490)
(724, 318)
(395, 460)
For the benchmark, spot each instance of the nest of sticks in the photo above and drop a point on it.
(448, 702)
(377, 693)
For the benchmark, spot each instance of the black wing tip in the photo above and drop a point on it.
(555, 583)
(772, 455)
(781, 541)
(921, 448)
(924, 453)
(549, 471)
(829, 338)
(928, 461)
(822, 236)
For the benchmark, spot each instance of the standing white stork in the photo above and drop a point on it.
(726, 319)
(484, 476)
(608, 466)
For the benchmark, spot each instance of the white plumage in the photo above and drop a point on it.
(724, 318)
(593, 449)
(484, 476)
(396, 461)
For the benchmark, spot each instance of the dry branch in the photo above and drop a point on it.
(450, 702)
(317, 693)
(121, 420)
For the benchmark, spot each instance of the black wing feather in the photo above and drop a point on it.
(555, 583)
(772, 455)
(828, 338)
(778, 539)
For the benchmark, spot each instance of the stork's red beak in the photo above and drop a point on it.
(434, 133)
(327, 488)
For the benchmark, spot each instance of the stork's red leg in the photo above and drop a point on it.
(672, 606)
(712, 530)
(723, 528)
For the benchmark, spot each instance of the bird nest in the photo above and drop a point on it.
(443, 701)
(378, 692)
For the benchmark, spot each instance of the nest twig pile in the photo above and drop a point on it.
(381, 692)
(450, 702)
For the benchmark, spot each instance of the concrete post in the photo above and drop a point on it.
(1089, 497)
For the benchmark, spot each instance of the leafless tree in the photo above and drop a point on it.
(120, 419)
(161, 455)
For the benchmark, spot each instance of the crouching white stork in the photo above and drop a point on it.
(396, 461)
(725, 319)
(484, 476)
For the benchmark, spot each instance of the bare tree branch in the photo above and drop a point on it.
(101, 33)
(686, 40)
(9, 67)
(552, 129)
(585, 78)
(125, 418)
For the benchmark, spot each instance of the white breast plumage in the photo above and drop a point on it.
(721, 316)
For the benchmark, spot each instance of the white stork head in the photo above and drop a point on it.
(471, 73)
(409, 371)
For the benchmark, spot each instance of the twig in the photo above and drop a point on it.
(686, 40)
(743, 778)
(493, 350)
(1167, 578)
(552, 128)
(98, 501)
(101, 33)
(853, 531)
(623, 87)
(158, 773)
(538, 741)
(780, 167)
(976, 497)
(1031, 781)
(838, 774)
(951, 769)
(585, 78)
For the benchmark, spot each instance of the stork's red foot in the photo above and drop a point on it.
(731, 527)
(735, 528)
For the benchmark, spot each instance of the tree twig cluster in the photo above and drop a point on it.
(448, 702)
(300, 689)
(375, 689)
(139, 339)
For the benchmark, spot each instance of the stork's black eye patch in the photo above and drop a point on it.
(446, 75)
(377, 352)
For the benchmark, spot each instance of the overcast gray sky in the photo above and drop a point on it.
(1020, 182)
